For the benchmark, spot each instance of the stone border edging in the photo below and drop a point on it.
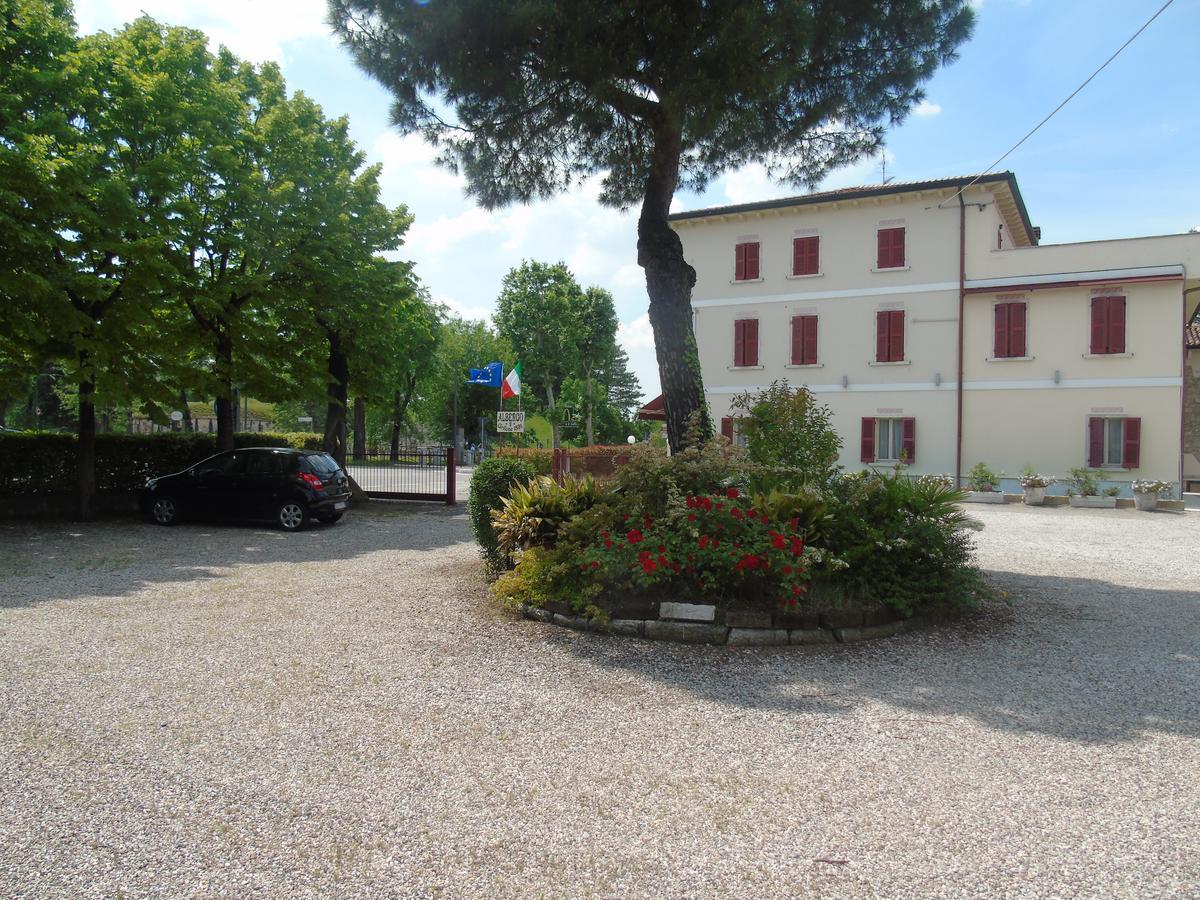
(706, 633)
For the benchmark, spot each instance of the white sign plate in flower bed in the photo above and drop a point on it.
(687, 612)
(510, 422)
(985, 497)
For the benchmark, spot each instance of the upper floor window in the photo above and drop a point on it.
(745, 261)
(889, 439)
(889, 335)
(891, 248)
(804, 340)
(1108, 325)
(1009, 339)
(1114, 442)
(806, 255)
(745, 342)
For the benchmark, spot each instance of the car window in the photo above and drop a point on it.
(262, 463)
(322, 463)
(221, 464)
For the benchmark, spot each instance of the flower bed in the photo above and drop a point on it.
(765, 543)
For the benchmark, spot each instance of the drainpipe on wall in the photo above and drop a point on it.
(962, 298)
(1183, 383)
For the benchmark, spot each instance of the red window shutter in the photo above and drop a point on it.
(896, 335)
(908, 439)
(727, 428)
(739, 342)
(1116, 324)
(806, 255)
(883, 258)
(1000, 338)
(739, 262)
(881, 336)
(797, 340)
(750, 354)
(1095, 442)
(868, 439)
(1132, 453)
(809, 350)
(751, 261)
(1016, 330)
(1099, 324)
(897, 246)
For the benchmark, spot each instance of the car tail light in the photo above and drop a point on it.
(312, 481)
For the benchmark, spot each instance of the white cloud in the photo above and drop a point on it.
(751, 183)
(636, 335)
(472, 311)
(927, 110)
(255, 29)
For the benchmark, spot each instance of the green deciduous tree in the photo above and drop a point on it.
(655, 95)
(537, 313)
(597, 344)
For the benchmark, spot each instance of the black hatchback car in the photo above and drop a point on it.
(287, 487)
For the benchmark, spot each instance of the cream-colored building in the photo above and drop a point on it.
(938, 331)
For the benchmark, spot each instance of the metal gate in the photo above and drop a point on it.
(412, 473)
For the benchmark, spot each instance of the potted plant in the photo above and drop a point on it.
(1085, 490)
(1035, 486)
(981, 484)
(1147, 491)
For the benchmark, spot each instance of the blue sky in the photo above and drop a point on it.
(1120, 160)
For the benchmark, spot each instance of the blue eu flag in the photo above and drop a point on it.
(489, 376)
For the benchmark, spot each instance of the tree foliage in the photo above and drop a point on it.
(651, 96)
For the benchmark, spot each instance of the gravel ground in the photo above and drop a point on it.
(233, 711)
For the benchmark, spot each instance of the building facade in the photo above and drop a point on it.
(941, 334)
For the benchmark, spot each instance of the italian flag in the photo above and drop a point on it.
(512, 383)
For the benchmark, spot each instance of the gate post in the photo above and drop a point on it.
(451, 473)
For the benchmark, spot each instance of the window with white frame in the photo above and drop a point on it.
(889, 438)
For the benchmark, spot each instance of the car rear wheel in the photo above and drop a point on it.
(165, 510)
(329, 518)
(292, 516)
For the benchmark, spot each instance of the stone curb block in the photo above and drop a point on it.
(629, 627)
(686, 632)
(757, 637)
(811, 636)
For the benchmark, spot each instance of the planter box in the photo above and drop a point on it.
(1094, 502)
(984, 497)
(1145, 501)
(1035, 496)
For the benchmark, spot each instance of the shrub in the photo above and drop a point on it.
(650, 476)
(899, 542)
(540, 461)
(46, 463)
(1084, 482)
(982, 478)
(784, 426)
(492, 480)
(532, 514)
(1031, 478)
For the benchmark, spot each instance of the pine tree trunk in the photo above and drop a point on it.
(669, 283)
(3, 413)
(186, 410)
(226, 402)
(86, 451)
(336, 393)
(360, 428)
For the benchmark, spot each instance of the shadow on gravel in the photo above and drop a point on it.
(60, 561)
(1078, 659)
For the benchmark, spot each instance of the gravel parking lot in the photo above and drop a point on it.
(228, 710)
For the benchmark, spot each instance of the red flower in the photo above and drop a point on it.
(608, 545)
(764, 519)
(705, 541)
(797, 546)
(787, 570)
(793, 524)
(691, 517)
(753, 514)
(647, 521)
(779, 541)
(662, 549)
(595, 565)
(736, 513)
(732, 493)
(634, 536)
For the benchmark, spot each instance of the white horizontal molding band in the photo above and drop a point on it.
(802, 296)
(1096, 275)
(914, 386)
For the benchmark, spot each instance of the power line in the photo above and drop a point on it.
(1053, 112)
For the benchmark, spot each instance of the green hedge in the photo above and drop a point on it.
(493, 479)
(46, 463)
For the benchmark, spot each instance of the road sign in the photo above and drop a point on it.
(512, 422)
(176, 416)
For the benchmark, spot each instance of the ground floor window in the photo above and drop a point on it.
(889, 439)
(1114, 441)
